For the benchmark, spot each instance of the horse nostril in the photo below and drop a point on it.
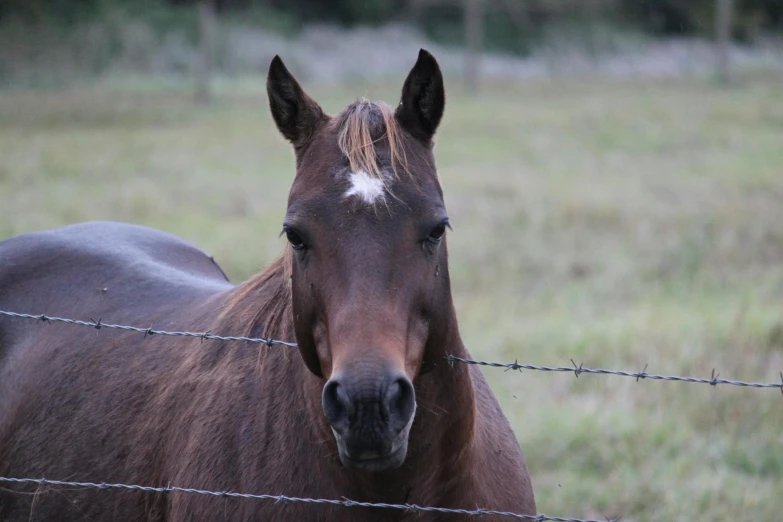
(399, 402)
(337, 405)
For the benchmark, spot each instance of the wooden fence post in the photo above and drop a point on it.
(723, 25)
(474, 36)
(206, 42)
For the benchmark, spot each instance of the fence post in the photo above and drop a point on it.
(473, 26)
(206, 42)
(723, 25)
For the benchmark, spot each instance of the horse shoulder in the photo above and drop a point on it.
(500, 473)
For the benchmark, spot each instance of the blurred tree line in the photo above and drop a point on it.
(510, 25)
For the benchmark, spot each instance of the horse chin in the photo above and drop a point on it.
(376, 464)
(371, 461)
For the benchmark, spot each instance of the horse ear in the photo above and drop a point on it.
(296, 115)
(423, 98)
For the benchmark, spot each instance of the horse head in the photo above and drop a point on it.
(366, 224)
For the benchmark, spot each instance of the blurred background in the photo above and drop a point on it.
(613, 171)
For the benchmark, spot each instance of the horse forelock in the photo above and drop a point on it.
(362, 126)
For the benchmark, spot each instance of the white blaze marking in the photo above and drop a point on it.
(366, 187)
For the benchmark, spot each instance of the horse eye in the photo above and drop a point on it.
(437, 233)
(294, 239)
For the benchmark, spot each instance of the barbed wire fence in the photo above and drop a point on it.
(411, 508)
(146, 331)
(576, 369)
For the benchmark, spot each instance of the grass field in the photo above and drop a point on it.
(618, 224)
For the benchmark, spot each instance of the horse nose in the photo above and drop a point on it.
(337, 405)
(398, 403)
(392, 400)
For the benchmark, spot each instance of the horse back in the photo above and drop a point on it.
(114, 271)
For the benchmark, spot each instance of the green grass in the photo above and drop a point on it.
(618, 224)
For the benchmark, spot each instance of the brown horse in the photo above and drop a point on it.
(366, 408)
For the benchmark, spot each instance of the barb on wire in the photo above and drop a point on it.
(286, 499)
(146, 331)
(577, 370)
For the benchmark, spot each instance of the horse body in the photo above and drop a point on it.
(68, 395)
(111, 406)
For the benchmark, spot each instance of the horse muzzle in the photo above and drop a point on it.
(371, 419)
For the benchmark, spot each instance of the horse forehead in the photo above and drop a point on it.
(365, 187)
(359, 188)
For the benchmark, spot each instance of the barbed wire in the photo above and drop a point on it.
(284, 498)
(577, 370)
(92, 323)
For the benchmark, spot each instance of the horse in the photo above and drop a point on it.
(365, 405)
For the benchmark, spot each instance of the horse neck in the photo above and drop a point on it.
(443, 432)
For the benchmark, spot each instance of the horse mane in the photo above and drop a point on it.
(263, 301)
(362, 125)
